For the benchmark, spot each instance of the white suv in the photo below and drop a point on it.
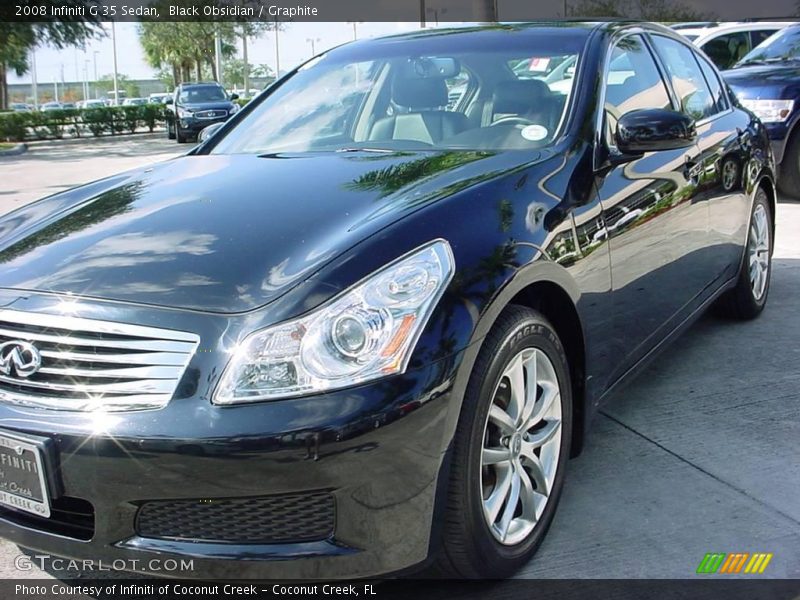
(727, 43)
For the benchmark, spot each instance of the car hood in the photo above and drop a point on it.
(223, 233)
(770, 82)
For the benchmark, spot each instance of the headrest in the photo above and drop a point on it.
(419, 93)
(518, 97)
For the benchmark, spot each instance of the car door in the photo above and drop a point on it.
(650, 220)
(723, 138)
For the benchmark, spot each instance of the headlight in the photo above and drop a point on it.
(365, 333)
(234, 109)
(184, 114)
(770, 111)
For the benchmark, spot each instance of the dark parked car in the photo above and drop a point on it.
(355, 332)
(195, 106)
(767, 81)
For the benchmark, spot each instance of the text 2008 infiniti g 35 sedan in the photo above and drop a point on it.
(363, 325)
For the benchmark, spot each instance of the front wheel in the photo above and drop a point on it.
(747, 299)
(510, 451)
(170, 130)
(180, 135)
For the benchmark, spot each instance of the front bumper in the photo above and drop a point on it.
(377, 449)
(194, 125)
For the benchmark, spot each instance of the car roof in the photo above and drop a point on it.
(462, 37)
(532, 26)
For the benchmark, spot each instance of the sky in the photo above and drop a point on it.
(294, 48)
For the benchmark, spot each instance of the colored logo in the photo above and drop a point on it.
(737, 562)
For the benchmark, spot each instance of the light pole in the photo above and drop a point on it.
(86, 79)
(245, 60)
(114, 45)
(96, 52)
(355, 25)
(33, 74)
(277, 50)
(218, 55)
(313, 42)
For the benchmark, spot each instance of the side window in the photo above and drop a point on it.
(633, 82)
(728, 49)
(717, 93)
(756, 37)
(687, 78)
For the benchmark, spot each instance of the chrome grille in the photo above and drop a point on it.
(210, 114)
(87, 364)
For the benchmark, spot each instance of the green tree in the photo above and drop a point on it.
(18, 39)
(166, 77)
(248, 30)
(106, 84)
(185, 48)
(235, 71)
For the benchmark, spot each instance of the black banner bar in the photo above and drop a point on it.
(163, 589)
(443, 11)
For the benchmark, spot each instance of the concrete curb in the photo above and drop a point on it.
(18, 149)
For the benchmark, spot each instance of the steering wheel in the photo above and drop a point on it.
(513, 121)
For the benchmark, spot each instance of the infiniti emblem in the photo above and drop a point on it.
(19, 358)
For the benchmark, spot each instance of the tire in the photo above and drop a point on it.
(747, 299)
(789, 180)
(181, 137)
(472, 547)
(170, 131)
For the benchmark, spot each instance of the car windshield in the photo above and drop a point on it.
(781, 46)
(395, 97)
(202, 93)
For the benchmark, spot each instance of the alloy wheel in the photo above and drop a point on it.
(758, 251)
(521, 446)
(730, 175)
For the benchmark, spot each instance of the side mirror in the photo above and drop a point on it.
(207, 132)
(168, 101)
(654, 129)
(234, 96)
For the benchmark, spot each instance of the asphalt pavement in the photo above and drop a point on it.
(699, 454)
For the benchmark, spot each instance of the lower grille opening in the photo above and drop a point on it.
(283, 518)
(70, 517)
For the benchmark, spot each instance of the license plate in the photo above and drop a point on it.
(22, 477)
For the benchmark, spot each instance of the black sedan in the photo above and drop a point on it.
(362, 327)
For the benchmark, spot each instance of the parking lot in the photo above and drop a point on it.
(699, 455)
